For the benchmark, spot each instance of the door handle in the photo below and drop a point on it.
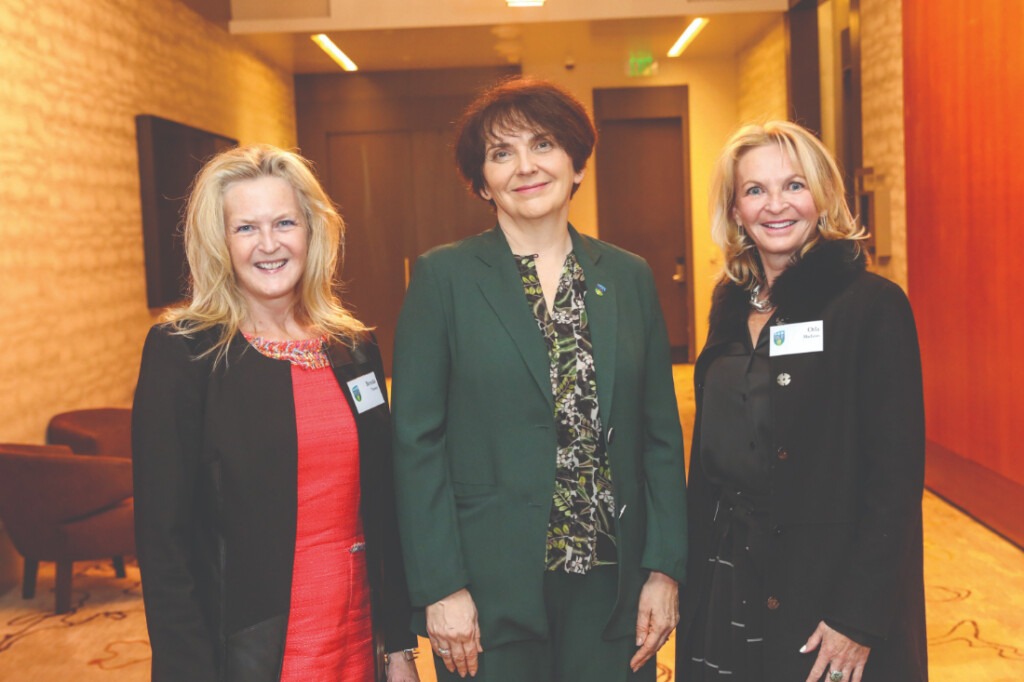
(679, 276)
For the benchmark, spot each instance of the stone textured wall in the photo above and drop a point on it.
(75, 73)
(882, 120)
(762, 77)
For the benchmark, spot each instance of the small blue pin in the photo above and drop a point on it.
(600, 289)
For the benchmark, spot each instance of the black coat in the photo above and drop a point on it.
(215, 467)
(848, 473)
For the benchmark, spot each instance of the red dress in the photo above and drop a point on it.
(330, 633)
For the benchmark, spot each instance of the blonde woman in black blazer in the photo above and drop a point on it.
(807, 464)
(224, 435)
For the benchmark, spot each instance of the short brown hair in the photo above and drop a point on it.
(522, 103)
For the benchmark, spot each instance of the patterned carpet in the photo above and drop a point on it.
(974, 589)
(974, 582)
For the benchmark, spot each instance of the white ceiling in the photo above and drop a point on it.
(382, 35)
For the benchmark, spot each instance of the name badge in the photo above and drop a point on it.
(366, 393)
(800, 337)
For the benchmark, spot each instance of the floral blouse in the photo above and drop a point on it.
(580, 532)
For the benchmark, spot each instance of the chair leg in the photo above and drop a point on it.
(28, 581)
(64, 586)
(119, 567)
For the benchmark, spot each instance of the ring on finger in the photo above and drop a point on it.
(835, 676)
(443, 651)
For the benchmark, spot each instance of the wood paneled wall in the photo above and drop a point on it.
(964, 94)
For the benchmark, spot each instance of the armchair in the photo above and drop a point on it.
(58, 506)
(96, 431)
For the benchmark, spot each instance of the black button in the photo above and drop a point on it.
(777, 530)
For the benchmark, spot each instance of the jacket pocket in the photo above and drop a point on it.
(255, 653)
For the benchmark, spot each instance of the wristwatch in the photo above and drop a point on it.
(407, 654)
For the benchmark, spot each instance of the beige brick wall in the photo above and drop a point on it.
(75, 73)
(882, 102)
(762, 77)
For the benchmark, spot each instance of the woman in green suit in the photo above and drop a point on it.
(538, 454)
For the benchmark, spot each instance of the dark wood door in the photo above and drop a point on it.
(642, 206)
(399, 198)
(371, 187)
(382, 145)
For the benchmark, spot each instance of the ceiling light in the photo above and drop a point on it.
(695, 27)
(335, 53)
(524, 3)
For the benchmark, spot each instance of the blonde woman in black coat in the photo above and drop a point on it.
(808, 454)
(264, 504)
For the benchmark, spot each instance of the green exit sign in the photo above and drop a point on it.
(641, 64)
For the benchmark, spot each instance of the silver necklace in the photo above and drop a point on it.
(761, 305)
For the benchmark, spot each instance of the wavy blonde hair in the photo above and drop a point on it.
(825, 182)
(215, 297)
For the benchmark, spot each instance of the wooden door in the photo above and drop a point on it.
(643, 198)
(369, 178)
(400, 196)
(382, 145)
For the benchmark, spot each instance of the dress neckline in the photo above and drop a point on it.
(305, 353)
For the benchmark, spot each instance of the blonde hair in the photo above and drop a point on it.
(216, 300)
(825, 182)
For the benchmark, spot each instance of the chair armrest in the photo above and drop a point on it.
(63, 487)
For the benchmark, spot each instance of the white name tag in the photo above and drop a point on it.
(801, 337)
(366, 393)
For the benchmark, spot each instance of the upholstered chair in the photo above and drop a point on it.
(96, 431)
(62, 507)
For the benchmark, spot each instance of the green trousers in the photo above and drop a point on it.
(578, 608)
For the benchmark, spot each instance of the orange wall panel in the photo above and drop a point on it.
(964, 108)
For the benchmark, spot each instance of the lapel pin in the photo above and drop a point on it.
(600, 289)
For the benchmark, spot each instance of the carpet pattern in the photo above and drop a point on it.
(103, 637)
(974, 589)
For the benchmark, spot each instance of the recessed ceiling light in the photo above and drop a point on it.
(695, 27)
(524, 3)
(334, 52)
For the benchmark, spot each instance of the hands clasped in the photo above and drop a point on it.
(454, 632)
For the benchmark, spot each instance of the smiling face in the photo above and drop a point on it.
(267, 238)
(528, 177)
(774, 205)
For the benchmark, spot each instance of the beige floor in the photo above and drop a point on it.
(974, 588)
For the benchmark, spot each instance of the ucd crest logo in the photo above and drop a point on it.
(356, 394)
(780, 337)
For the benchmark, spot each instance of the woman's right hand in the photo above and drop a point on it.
(454, 632)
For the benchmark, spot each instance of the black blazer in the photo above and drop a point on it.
(848, 472)
(215, 461)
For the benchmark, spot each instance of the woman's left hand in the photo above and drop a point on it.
(401, 670)
(838, 653)
(657, 616)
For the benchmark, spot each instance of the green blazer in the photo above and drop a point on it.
(475, 437)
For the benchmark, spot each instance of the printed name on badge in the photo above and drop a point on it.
(800, 337)
(366, 393)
